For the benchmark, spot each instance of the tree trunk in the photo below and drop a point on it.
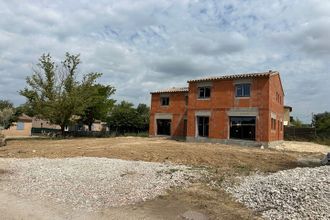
(63, 130)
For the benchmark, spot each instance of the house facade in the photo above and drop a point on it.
(21, 128)
(242, 108)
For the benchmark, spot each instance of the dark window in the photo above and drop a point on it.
(203, 126)
(204, 92)
(243, 90)
(186, 99)
(163, 127)
(164, 101)
(273, 124)
(242, 128)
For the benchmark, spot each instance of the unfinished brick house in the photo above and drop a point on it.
(244, 108)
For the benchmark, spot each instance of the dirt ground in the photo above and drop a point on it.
(300, 146)
(222, 161)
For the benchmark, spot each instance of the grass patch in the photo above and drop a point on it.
(322, 140)
(242, 169)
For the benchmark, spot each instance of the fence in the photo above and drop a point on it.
(44, 131)
(303, 134)
(57, 132)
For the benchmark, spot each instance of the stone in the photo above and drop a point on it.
(326, 159)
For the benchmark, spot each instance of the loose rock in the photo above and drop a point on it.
(92, 183)
(301, 193)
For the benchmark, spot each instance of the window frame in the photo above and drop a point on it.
(20, 126)
(162, 102)
(243, 92)
(204, 92)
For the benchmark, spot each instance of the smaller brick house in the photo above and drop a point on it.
(241, 108)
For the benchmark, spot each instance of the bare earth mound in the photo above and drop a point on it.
(92, 183)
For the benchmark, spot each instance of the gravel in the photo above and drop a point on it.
(301, 193)
(92, 183)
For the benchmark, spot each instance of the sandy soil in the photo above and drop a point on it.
(222, 161)
(300, 146)
(13, 207)
(222, 157)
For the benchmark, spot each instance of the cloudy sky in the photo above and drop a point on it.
(146, 45)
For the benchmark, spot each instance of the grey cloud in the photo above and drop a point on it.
(185, 66)
(314, 37)
(217, 44)
(141, 46)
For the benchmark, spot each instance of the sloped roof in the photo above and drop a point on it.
(236, 76)
(288, 107)
(173, 89)
(24, 117)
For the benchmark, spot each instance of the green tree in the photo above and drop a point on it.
(123, 118)
(321, 122)
(6, 113)
(55, 94)
(6, 104)
(6, 116)
(297, 123)
(100, 105)
(25, 109)
(143, 115)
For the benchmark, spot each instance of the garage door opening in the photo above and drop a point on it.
(164, 127)
(243, 128)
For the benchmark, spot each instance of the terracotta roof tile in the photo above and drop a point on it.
(173, 89)
(235, 76)
(25, 117)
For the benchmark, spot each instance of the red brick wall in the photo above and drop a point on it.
(222, 99)
(276, 106)
(177, 107)
(262, 97)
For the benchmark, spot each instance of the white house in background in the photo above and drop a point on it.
(286, 117)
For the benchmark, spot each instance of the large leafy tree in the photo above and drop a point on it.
(321, 122)
(143, 115)
(55, 94)
(125, 118)
(100, 105)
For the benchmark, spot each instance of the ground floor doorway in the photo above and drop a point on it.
(163, 126)
(243, 127)
(203, 126)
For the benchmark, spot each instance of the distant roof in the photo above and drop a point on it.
(24, 117)
(173, 89)
(288, 107)
(236, 76)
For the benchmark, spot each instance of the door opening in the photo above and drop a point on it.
(163, 126)
(243, 127)
(203, 126)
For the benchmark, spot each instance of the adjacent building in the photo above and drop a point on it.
(20, 128)
(241, 108)
(287, 118)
